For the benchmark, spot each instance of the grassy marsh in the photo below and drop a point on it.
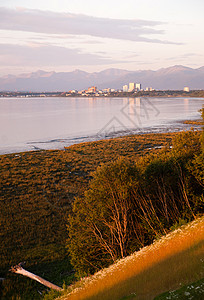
(36, 190)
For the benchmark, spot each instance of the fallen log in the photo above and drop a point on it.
(19, 270)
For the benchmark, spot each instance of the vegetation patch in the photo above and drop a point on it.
(109, 198)
(130, 203)
(36, 192)
(194, 291)
(169, 263)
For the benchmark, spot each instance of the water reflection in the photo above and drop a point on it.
(186, 104)
(134, 111)
(50, 119)
(140, 111)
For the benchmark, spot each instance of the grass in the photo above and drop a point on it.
(195, 122)
(169, 263)
(36, 190)
(193, 291)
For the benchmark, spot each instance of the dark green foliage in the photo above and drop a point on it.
(51, 295)
(127, 206)
(20, 287)
(202, 135)
(36, 189)
(197, 168)
(102, 223)
(162, 190)
(178, 224)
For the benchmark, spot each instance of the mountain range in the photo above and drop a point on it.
(172, 78)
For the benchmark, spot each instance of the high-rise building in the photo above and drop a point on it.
(125, 88)
(131, 86)
(138, 86)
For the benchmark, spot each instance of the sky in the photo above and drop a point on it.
(92, 35)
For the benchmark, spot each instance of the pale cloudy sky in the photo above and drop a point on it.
(92, 35)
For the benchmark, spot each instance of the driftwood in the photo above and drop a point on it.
(19, 270)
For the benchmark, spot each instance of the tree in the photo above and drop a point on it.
(196, 169)
(102, 225)
(202, 135)
(128, 204)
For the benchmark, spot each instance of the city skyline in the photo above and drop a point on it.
(132, 35)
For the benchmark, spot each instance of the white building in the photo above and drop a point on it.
(149, 89)
(125, 88)
(131, 86)
(186, 89)
(138, 86)
(107, 90)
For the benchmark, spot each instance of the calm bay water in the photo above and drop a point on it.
(52, 123)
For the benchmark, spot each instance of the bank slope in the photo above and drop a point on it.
(169, 263)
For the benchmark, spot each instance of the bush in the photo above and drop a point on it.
(128, 205)
(101, 227)
(186, 144)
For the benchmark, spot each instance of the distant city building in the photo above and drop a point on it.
(108, 90)
(138, 86)
(125, 88)
(186, 89)
(81, 92)
(131, 86)
(92, 89)
(149, 89)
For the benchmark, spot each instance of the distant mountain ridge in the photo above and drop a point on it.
(173, 78)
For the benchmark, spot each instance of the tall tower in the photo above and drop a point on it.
(131, 86)
(138, 86)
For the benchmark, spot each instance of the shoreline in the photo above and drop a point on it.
(115, 94)
(63, 123)
(65, 143)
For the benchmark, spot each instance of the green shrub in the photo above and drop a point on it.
(102, 223)
(128, 205)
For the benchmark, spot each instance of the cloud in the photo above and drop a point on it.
(133, 55)
(184, 56)
(91, 42)
(36, 54)
(48, 22)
